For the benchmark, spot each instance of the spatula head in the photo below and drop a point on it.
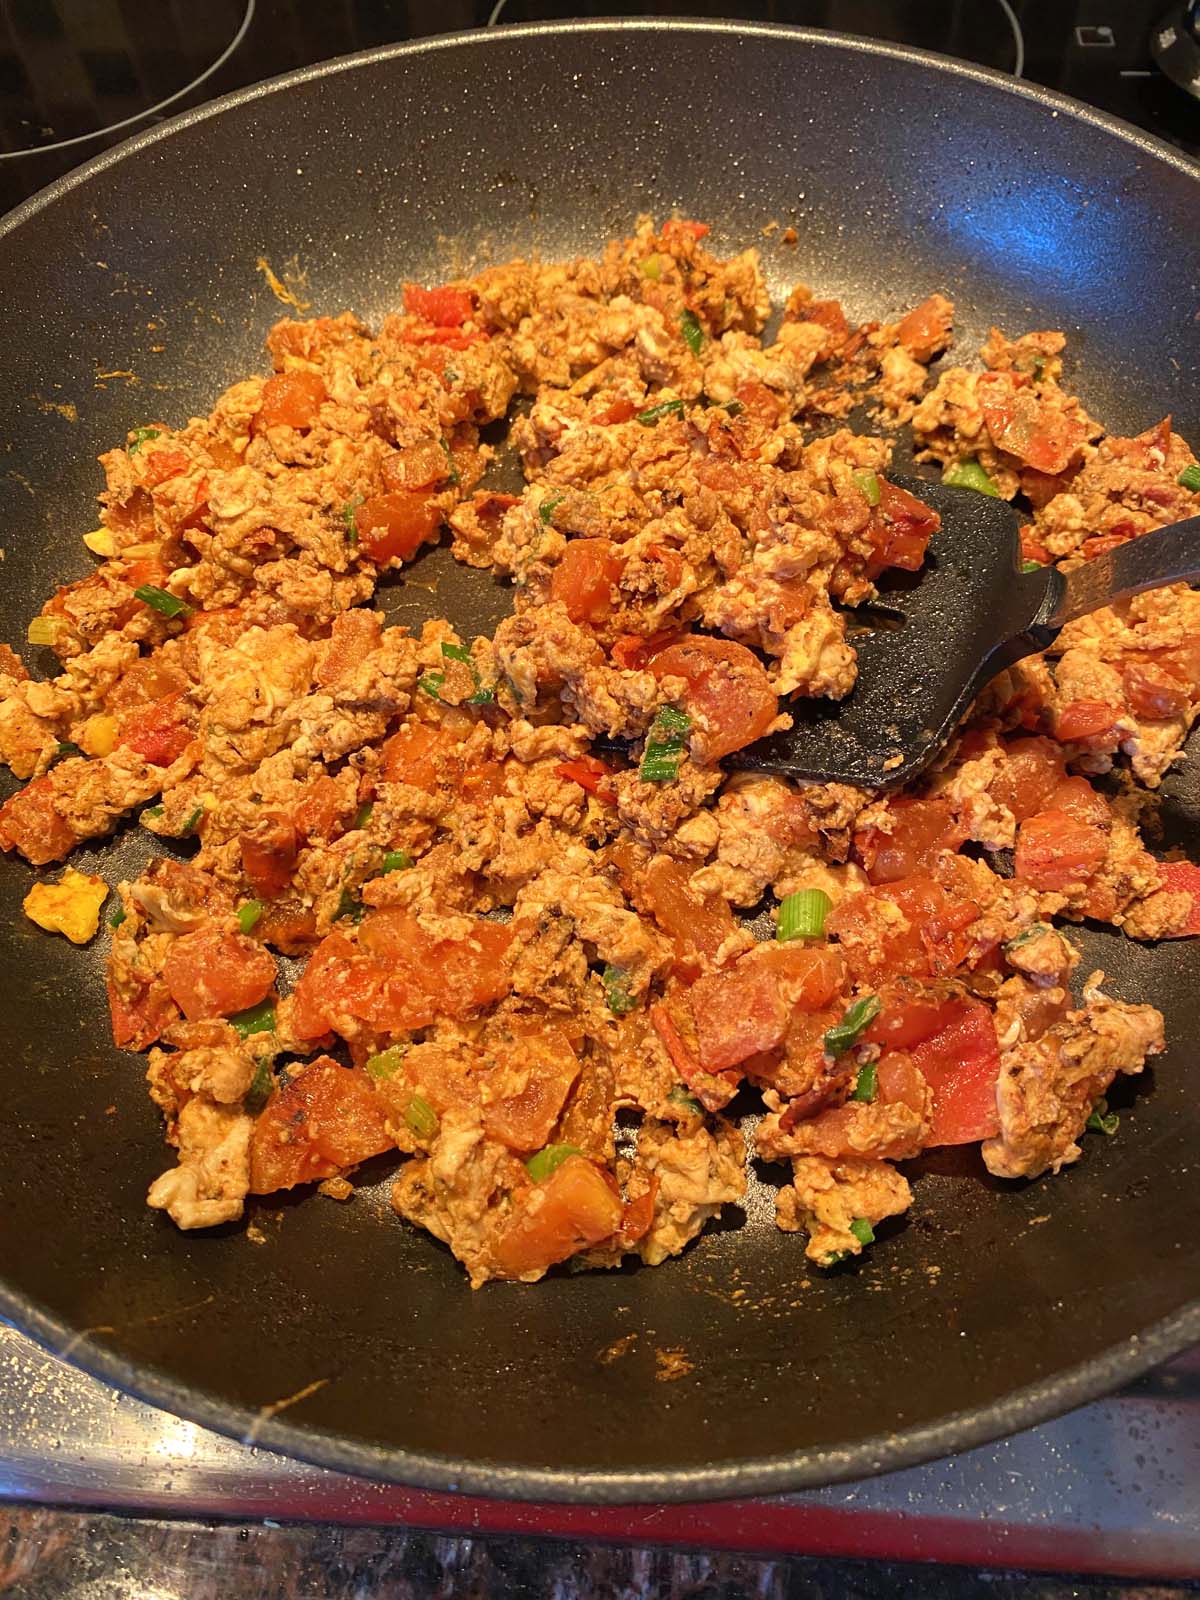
(969, 613)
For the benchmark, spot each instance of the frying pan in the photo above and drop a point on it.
(129, 291)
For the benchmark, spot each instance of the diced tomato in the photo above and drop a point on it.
(637, 1218)
(591, 774)
(289, 400)
(288, 926)
(456, 977)
(1032, 548)
(617, 411)
(396, 524)
(671, 561)
(697, 924)
(738, 1014)
(939, 920)
(444, 307)
(214, 974)
(323, 1120)
(353, 636)
(926, 328)
(677, 228)
(319, 814)
(760, 402)
(921, 830)
(827, 314)
(1032, 770)
(900, 1081)
(1181, 877)
(159, 465)
(961, 1064)
(416, 754)
(157, 732)
(1154, 691)
(633, 653)
(336, 983)
(269, 854)
(1085, 719)
(420, 466)
(1025, 426)
(1056, 851)
(1078, 799)
(223, 454)
(571, 1209)
(544, 1060)
(138, 1022)
(728, 691)
(900, 529)
(585, 579)
(1103, 544)
(908, 1014)
(30, 823)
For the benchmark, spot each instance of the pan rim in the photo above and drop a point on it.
(806, 1468)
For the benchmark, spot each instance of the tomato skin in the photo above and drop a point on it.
(525, 1121)
(922, 830)
(961, 1064)
(1084, 719)
(571, 1209)
(1032, 770)
(444, 307)
(585, 579)
(321, 1121)
(697, 924)
(727, 687)
(289, 400)
(592, 774)
(395, 524)
(213, 974)
(1058, 852)
(1024, 426)
(1154, 692)
(269, 855)
(926, 328)
(157, 732)
(900, 529)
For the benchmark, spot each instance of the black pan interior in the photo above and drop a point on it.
(132, 292)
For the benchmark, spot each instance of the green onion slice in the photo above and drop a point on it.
(258, 1019)
(846, 1033)
(664, 746)
(1031, 566)
(457, 652)
(548, 507)
(151, 811)
(453, 476)
(363, 815)
(1102, 1120)
(386, 1063)
(734, 407)
(396, 861)
(261, 1086)
(970, 475)
(1189, 478)
(653, 415)
(616, 991)
(862, 1230)
(866, 1085)
(680, 1097)
(349, 520)
(421, 1117)
(167, 605)
(66, 748)
(349, 906)
(118, 917)
(194, 821)
(693, 333)
(432, 683)
(249, 914)
(141, 436)
(549, 1160)
(802, 915)
(867, 483)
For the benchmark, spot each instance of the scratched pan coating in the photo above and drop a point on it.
(993, 1305)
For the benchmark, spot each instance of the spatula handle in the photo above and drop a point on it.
(1168, 555)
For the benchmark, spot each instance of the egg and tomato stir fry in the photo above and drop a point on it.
(510, 869)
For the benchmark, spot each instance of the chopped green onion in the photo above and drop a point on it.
(1102, 1120)
(66, 748)
(432, 683)
(363, 815)
(651, 267)
(846, 1033)
(866, 1085)
(421, 1117)
(151, 811)
(1031, 566)
(452, 476)
(616, 991)
(349, 906)
(549, 1160)
(457, 652)
(734, 407)
(834, 1259)
(349, 520)
(693, 333)
(1035, 930)
(258, 1019)
(43, 630)
(396, 861)
(664, 746)
(483, 696)
(680, 1097)
(1189, 478)
(862, 1230)
(141, 436)
(802, 915)
(262, 1086)
(193, 822)
(970, 475)
(117, 918)
(167, 605)
(548, 507)
(387, 1063)
(1037, 371)
(249, 914)
(653, 415)
(867, 483)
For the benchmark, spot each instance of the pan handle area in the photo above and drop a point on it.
(1168, 555)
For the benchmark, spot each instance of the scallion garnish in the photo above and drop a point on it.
(193, 822)
(862, 1230)
(970, 475)
(386, 1063)
(616, 990)
(262, 1085)
(151, 811)
(349, 906)
(167, 605)
(452, 477)
(396, 861)
(421, 1117)
(431, 683)
(693, 333)
(457, 652)
(867, 483)
(363, 815)
(1189, 478)
(1031, 566)
(802, 915)
(66, 748)
(866, 1085)
(846, 1033)
(549, 1160)
(1102, 1120)
(141, 436)
(548, 507)
(249, 914)
(653, 415)
(680, 1096)
(257, 1019)
(118, 917)
(734, 407)
(349, 520)
(664, 746)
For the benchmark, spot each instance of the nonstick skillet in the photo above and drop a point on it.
(131, 290)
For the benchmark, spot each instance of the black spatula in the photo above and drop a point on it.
(969, 613)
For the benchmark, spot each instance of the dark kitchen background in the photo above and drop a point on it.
(1113, 1490)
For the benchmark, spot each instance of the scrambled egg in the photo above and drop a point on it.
(70, 907)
